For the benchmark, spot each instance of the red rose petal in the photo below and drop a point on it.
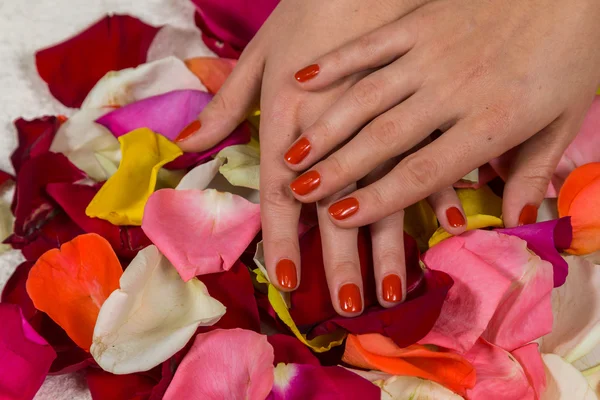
(35, 138)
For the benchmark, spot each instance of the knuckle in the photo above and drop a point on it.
(339, 167)
(367, 46)
(419, 171)
(367, 93)
(377, 198)
(390, 259)
(323, 130)
(341, 267)
(274, 193)
(537, 181)
(221, 103)
(385, 132)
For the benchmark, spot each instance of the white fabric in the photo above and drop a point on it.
(26, 26)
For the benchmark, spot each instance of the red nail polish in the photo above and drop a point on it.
(455, 217)
(286, 274)
(350, 298)
(298, 151)
(188, 131)
(391, 288)
(306, 183)
(307, 73)
(344, 208)
(528, 215)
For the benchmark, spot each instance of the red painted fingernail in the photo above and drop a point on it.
(391, 288)
(286, 274)
(188, 131)
(528, 215)
(350, 298)
(306, 183)
(307, 73)
(455, 217)
(298, 151)
(344, 208)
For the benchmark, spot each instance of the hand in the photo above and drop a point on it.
(491, 75)
(299, 31)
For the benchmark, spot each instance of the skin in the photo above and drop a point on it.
(517, 73)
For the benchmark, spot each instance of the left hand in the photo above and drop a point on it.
(490, 75)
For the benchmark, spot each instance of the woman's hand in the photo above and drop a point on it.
(297, 32)
(491, 74)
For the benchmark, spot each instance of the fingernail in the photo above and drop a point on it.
(307, 73)
(528, 215)
(350, 299)
(298, 151)
(391, 288)
(306, 183)
(344, 208)
(286, 274)
(188, 131)
(455, 217)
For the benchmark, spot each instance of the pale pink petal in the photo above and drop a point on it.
(576, 308)
(499, 375)
(531, 360)
(413, 388)
(200, 231)
(564, 381)
(201, 176)
(177, 42)
(225, 364)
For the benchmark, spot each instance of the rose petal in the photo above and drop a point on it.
(80, 138)
(241, 166)
(239, 365)
(299, 382)
(35, 138)
(499, 374)
(373, 351)
(201, 176)
(576, 309)
(181, 43)
(106, 386)
(564, 381)
(211, 71)
(73, 67)
(119, 88)
(544, 238)
(406, 323)
(420, 223)
(137, 331)
(288, 349)
(123, 197)
(578, 199)
(71, 284)
(26, 357)
(593, 378)
(499, 287)
(200, 232)
(531, 360)
(413, 388)
(4, 177)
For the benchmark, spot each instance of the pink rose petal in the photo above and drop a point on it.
(531, 360)
(200, 231)
(225, 364)
(25, 356)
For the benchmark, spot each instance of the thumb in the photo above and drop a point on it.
(235, 100)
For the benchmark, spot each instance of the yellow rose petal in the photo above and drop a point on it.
(319, 344)
(420, 223)
(122, 198)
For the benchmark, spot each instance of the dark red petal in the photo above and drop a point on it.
(35, 138)
(73, 67)
(14, 291)
(289, 349)
(4, 177)
(32, 205)
(74, 198)
(106, 386)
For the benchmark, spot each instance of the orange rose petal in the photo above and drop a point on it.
(71, 284)
(211, 71)
(579, 198)
(377, 352)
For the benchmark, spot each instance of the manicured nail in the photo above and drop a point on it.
(306, 183)
(391, 288)
(307, 73)
(188, 131)
(344, 208)
(528, 215)
(350, 299)
(455, 217)
(286, 274)
(298, 151)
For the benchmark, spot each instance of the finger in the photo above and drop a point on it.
(389, 135)
(341, 261)
(235, 100)
(424, 172)
(532, 167)
(448, 209)
(371, 96)
(372, 50)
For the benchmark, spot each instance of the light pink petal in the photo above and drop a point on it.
(564, 381)
(178, 42)
(225, 364)
(531, 360)
(200, 231)
(499, 375)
